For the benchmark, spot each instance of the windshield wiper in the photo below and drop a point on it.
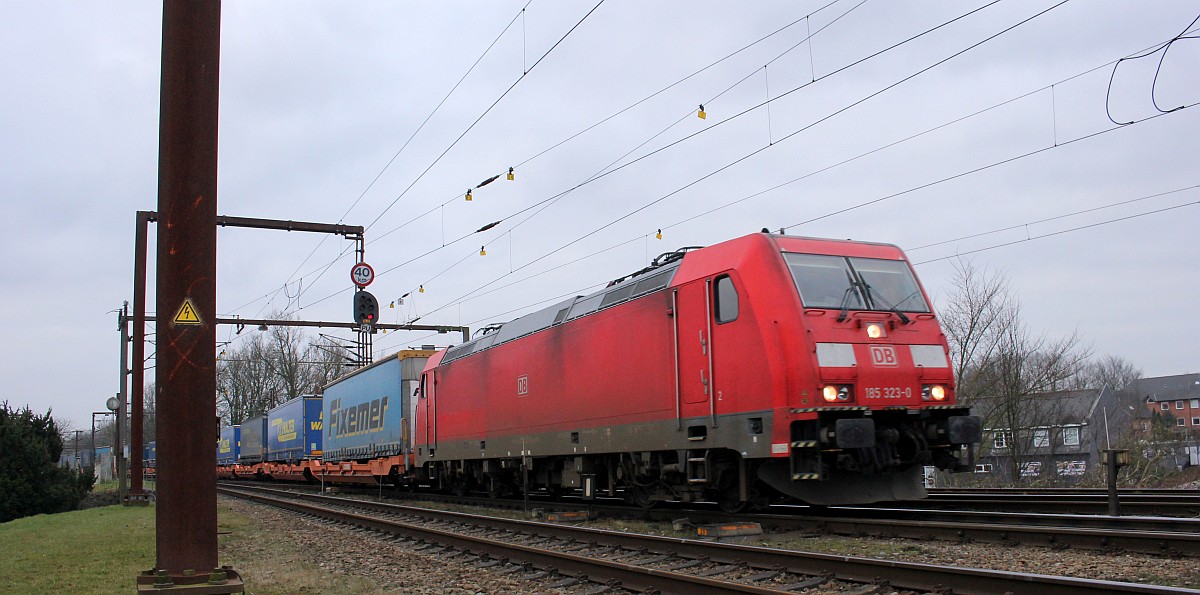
(845, 305)
(878, 297)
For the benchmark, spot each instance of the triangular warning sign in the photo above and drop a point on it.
(187, 314)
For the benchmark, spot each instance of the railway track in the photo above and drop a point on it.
(1152, 535)
(1068, 491)
(1185, 503)
(617, 561)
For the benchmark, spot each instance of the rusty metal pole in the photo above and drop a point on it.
(186, 514)
(122, 409)
(138, 367)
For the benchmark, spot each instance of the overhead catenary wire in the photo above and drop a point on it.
(457, 139)
(985, 167)
(1054, 218)
(587, 256)
(640, 102)
(462, 238)
(473, 124)
(1093, 225)
(876, 150)
(602, 172)
(609, 170)
(1061, 232)
(493, 317)
(923, 186)
(479, 291)
(484, 114)
(583, 291)
(794, 133)
(396, 155)
(1164, 48)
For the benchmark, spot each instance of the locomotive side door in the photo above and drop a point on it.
(693, 350)
(429, 402)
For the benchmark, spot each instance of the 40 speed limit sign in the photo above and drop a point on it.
(362, 274)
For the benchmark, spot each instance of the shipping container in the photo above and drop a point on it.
(294, 430)
(229, 445)
(149, 454)
(253, 441)
(105, 465)
(369, 412)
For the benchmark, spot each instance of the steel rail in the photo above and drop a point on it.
(904, 575)
(1037, 519)
(1041, 491)
(1184, 504)
(627, 576)
(1149, 535)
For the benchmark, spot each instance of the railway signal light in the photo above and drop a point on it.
(366, 308)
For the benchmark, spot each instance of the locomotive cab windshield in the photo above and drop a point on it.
(855, 283)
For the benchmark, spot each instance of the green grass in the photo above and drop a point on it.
(111, 486)
(102, 550)
(99, 550)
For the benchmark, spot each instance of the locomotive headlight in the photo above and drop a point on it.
(933, 392)
(876, 330)
(829, 393)
(835, 394)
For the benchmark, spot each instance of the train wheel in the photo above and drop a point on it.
(640, 496)
(730, 501)
(497, 488)
(458, 486)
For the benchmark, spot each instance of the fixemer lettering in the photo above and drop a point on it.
(356, 420)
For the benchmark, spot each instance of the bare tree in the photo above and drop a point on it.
(285, 356)
(246, 383)
(1112, 372)
(325, 360)
(1150, 453)
(1001, 367)
(1020, 370)
(264, 369)
(974, 318)
(149, 413)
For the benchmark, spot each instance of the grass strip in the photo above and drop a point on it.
(98, 550)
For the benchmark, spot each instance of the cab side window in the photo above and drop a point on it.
(726, 298)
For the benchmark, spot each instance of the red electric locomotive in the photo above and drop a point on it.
(763, 365)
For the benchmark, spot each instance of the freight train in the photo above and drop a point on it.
(766, 366)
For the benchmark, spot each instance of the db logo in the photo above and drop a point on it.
(522, 385)
(883, 356)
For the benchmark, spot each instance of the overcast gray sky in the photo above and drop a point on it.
(317, 98)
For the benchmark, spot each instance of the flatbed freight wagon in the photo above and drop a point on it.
(294, 438)
(368, 417)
